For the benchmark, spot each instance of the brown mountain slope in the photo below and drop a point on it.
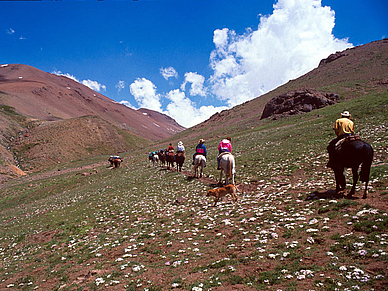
(42, 122)
(55, 142)
(45, 96)
(160, 118)
(350, 74)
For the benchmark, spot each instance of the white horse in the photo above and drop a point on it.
(155, 159)
(227, 165)
(199, 162)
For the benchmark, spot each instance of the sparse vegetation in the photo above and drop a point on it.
(122, 229)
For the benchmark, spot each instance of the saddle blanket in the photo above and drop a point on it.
(348, 138)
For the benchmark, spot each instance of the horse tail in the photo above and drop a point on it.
(365, 167)
(233, 167)
(230, 169)
(196, 163)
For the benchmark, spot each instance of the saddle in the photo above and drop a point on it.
(346, 139)
(178, 154)
(222, 154)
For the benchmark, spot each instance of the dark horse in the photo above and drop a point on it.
(162, 157)
(180, 159)
(352, 155)
(170, 156)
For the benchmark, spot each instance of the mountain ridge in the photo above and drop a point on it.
(359, 70)
(31, 98)
(350, 74)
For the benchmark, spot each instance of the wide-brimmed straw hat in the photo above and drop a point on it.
(201, 140)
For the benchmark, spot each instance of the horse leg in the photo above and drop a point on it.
(366, 190)
(339, 179)
(220, 181)
(226, 179)
(355, 179)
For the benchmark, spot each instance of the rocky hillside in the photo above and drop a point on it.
(297, 102)
(34, 103)
(350, 74)
(53, 143)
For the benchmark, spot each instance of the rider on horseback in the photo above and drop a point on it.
(343, 127)
(200, 149)
(170, 148)
(224, 146)
(180, 148)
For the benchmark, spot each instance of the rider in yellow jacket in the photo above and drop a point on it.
(343, 127)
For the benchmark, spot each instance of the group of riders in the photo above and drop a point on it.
(225, 146)
(343, 128)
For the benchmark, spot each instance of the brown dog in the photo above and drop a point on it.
(221, 192)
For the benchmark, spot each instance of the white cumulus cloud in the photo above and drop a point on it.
(94, 85)
(185, 112)
(286, 44)
(168, 73)
(197, 84)
(179, 106)
(127, 103)
(145, 94)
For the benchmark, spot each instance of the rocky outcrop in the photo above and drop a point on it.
(297, 102)
(332, 58)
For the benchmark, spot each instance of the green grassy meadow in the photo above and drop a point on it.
(121, 229)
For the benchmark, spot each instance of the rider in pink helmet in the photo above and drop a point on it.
(224, 146)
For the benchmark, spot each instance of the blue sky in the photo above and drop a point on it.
(187, 59)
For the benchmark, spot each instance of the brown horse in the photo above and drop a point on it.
(180, 159)
(115, 161)
(170, 156)
(162, 157)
